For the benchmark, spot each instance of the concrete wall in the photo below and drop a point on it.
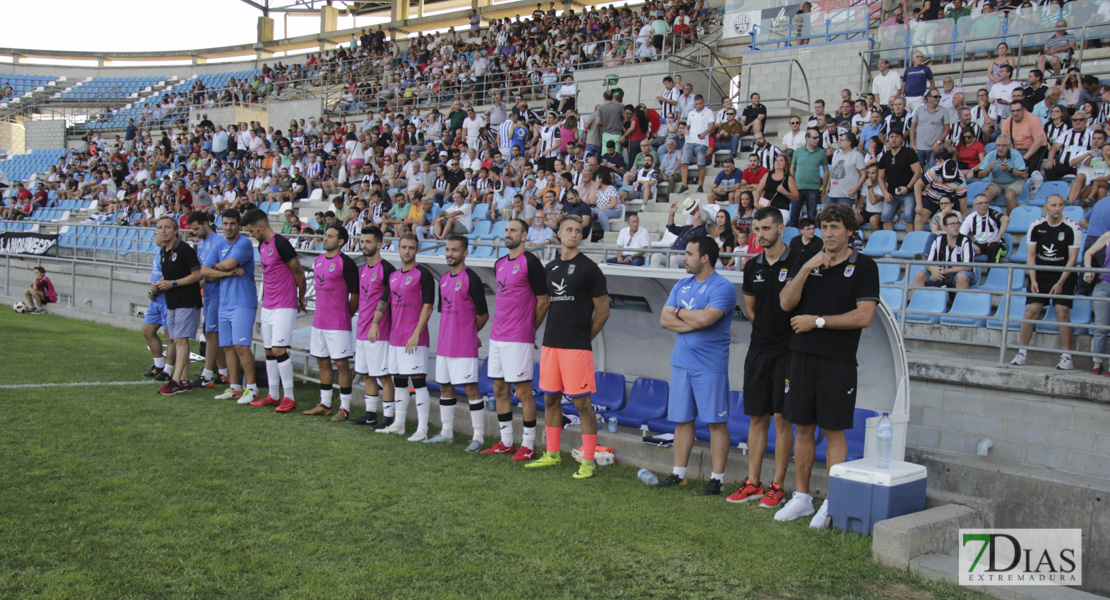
(280, 113)
(13, 137)
(641, 83)
(828, 68)
(46, 134)
(225, 115)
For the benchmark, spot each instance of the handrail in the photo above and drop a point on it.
(789, 82)
(828, 34)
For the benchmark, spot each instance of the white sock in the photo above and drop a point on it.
(447, 417)
(423, 408)
(402, 404)
(235, 387)
(371, 403)
(528, 438)
(206, 374)
(387, 408)
(1022, 352)
(159, 362)
(325, 397)
(1066, 355)
(273, 378)
(680, 471)
(345, 401)
(505, 428)
(478, 418)
(718, 476)
(285, 371)
(168, 369)
(253, 387)
(222, 372)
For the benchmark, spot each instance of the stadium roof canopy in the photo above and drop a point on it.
(347, 7)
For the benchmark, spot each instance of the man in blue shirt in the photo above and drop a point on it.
(917, 79)
(209, 246)
(699, 309)
(238, 305)
(1096, 222)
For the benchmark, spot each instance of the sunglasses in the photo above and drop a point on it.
(730, 114)
(812, 137)
(935, 97)
(1078, 119)
(795, 122)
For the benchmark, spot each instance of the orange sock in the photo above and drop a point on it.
(589, 444)
(553, 434)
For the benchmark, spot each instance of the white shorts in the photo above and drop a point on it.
(372, 358)
(453, 370)
(511, 361)
(335, 344)
(403, 363)
(277, 327)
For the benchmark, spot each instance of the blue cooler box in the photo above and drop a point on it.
(861, 494)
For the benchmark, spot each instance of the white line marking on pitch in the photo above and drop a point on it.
(75, 384)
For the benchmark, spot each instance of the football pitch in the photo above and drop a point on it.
(112, 491)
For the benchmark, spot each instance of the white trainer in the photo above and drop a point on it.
(1019, 360)
(1065, 364)
(821, 520)
(800, 505)
(419, 436)
(228, 395)
(395, 429)
(247, 397)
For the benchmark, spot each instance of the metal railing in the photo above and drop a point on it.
(848, 23)
(789, 98)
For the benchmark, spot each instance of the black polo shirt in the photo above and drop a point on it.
(752, 112)
(835, 291)
(771, 331)
(177, 263)
(898, 167)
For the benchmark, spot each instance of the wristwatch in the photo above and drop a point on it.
(820, 322)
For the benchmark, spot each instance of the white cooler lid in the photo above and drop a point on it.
(866, 470)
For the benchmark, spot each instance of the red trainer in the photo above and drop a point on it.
(525, 454)
(267, 401)
(499, 448)
(748, 491)
(286, 405)
(773, 497)
(169, 388)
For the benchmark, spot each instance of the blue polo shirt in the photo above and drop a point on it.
(917, 80)
(704, 349)
(239, 291)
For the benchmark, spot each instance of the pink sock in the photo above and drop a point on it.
(553, 434)
(589, 444)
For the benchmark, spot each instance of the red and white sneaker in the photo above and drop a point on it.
(774, 496)
(286, 405)
(499, 448)
(747, 492)
(525, 453)
(267, 401)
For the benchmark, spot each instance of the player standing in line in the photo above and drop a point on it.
(372, 341)
(412, 296)
(283, 289)
(336, 278)
(833, 298)
(463, 313)
(154, 319)
(238, 304)
(521, 304)
(579, 309)
(768, 355)
(208, 249)
(699, 310)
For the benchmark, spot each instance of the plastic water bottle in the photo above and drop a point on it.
(647, 477)
(886, 442)
(612, 424)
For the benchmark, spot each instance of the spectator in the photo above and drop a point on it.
(897, 121)
(886, 86)
(1007, 171)
(930, 125)
(817, 120)
(1026, 135)
(947, 207)
(700, 127)
(942, 181)
(846, 172)
(609, 205)
(986, 226)
(806, 169)
(970, 152)
(630, 238)
(753, 175)
(899, 172)
(643, 182)
(777, 189)
(729, 132)
(454, 219)
(806, 243)
(726, 186)
(539, 235)
(795, 138)
(698, 218)
(1049, 237)
(1096, 255)
(755, 114)
(918, 78)
(1002, 92)
(950, 247)
(1057, 49)
(1069, 145)
(669, 163)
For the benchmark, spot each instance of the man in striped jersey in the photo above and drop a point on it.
(897, 121)
(963, 122)
(765, 151)
(668, 101)
(945, 180)
(985, 227)
(1069, 145)
(952, 247)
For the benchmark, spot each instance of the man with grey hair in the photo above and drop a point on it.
(698, 218)
(180, 283)
(1007, 171)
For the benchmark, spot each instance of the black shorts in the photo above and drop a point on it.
(820, 391)
(764, 383)
(1045, 282)
(929, 204)
(547, 163)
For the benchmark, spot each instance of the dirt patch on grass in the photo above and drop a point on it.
(901, 591)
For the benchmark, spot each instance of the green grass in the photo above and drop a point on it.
(116, 492)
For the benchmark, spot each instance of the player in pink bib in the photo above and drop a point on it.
(372, 341)
(336, 279)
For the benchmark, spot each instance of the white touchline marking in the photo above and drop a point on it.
(74, 384)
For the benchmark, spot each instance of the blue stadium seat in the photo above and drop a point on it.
(926, 306)
(893, 297)
(881, 243)
(995, 280)
(1073, 212)
(1080, 315)
(975, 188)
(732, 209)
(1047, 189)
(788, 234)
(497, 231)
(889, 272)
(915, 242)
(481, 228)
(481, 212)
(658, 425)
(482, 251)
(646, 401)
(969, 303)
(1017, 312)
(1019, 255)
(1022, 217)
(610, 391)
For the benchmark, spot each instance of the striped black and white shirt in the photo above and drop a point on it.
(1103, 113)
(982, 228)
(767, 156)
(1073, 144)
(893, 122)
(668, 108)
(941, 251)
(1053, 133)
(958, 129)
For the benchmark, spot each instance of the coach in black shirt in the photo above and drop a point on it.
(180, 282)
(832, 297)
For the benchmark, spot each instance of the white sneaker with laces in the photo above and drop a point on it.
(247, 397)
(1065, 364)
(228, 395)
(822, 519)
(800, 505)
(1019, 360)
(419, 436)
(395, 429)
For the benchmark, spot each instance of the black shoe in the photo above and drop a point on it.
(683, 189)
(152, 372)
(671, 479)
(162, 376)
(384, 422)
(370, 418)
(713, 488)
(701, 189)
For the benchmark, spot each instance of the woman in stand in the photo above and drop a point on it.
(994, 68)
(969, 153)
(777, 188)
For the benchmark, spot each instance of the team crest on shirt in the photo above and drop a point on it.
(1061, 238)
(782, 274)
(373, 277)
(270, 250)
(516, 269)
(458, 285)
(570, 270)
(849, 270)
(331, 267)
(408, 279)
(173, 257)
(701, 290)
